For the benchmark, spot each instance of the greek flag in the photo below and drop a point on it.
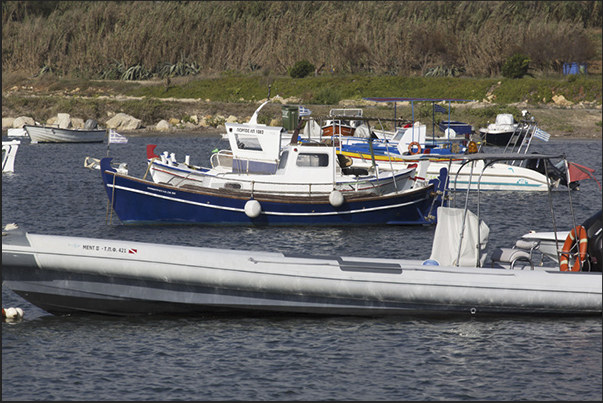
(304, 111)
(541, 134)
(116, 138)
(439, 108)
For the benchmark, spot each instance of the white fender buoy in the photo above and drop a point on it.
(12, 313)
(253, 208)
(336, 198)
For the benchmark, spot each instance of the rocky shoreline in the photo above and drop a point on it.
(562, 122)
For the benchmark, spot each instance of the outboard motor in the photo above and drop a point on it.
(555, 172)
(594, 233)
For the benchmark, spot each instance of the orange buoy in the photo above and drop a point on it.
(576, 235)
(411, 146)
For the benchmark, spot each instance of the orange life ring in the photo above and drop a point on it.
(410, 146)
(580, 233)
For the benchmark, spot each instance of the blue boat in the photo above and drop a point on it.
(459, 128)
(140, 201)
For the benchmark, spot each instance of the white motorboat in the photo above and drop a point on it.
(505, 129)
(9, 153)
(550, 244)
(521, 174)
(16, 132)
(67, 275)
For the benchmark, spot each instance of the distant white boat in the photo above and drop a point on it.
(52, 134)
(9, 152)
(502, 131)
(16, 132)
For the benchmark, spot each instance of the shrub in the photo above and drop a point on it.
(327, 96)
(301, 69)
(516, 66)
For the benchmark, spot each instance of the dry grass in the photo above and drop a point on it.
(92, 39)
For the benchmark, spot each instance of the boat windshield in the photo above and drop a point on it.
(283, 161)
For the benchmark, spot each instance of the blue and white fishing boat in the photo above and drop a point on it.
(264, 180)
(309, 187)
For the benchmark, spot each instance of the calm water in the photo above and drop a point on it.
(280, 357)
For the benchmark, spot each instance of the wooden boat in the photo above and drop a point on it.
(341, 122)
(51, 134)
(71, 275)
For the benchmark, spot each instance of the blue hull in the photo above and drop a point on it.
(458, 127)
(137, 201)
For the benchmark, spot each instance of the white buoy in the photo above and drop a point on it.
(10, 227)
(336, 198)
(12, 313)
(253, 208)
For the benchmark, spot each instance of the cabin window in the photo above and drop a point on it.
(283, 161)
(248, 142)
(312, 160)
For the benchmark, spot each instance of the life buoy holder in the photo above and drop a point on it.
(576, 235)
(411, 145)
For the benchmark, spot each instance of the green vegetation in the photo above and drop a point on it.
(301, 69)
(516, 66)
(331, 90)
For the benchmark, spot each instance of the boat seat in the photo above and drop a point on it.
(521, 252)
(354, 171)
(344, 160)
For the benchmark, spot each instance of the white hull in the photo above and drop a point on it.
(64, 274)
(9, 152)
(49, 134)
(498, 176)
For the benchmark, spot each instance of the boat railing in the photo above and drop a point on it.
(222, 158)
(358, 183)
(488, 160)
